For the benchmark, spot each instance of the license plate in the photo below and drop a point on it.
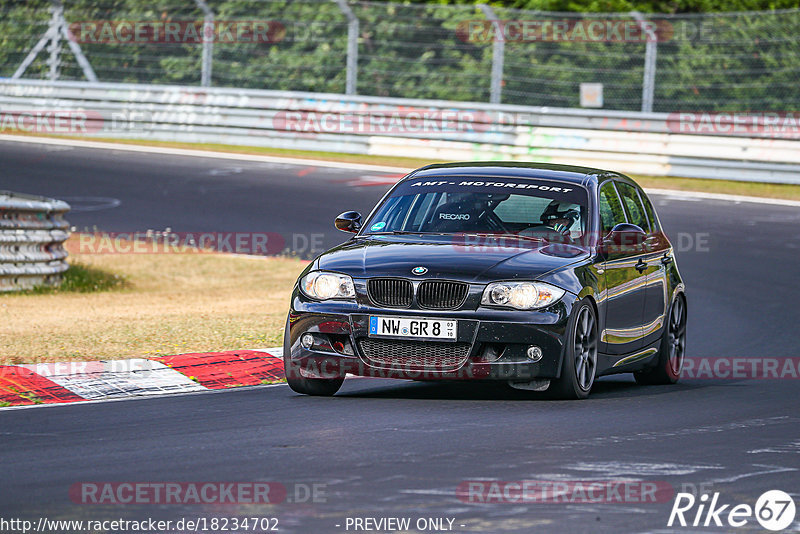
(412, 327)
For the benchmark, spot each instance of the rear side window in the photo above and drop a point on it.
(633, 206)
(610, 209)
(651, 212)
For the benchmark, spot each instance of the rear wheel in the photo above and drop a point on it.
(324, 387)
(579, 365)
(672, 350)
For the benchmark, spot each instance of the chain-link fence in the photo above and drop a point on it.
(735, 61)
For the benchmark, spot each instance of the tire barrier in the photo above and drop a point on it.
(32, 235)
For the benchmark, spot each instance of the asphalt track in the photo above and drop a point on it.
(389, 448)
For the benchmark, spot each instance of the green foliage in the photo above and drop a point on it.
(624, 6)
(733, 61)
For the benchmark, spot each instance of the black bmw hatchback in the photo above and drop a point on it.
(541, 276)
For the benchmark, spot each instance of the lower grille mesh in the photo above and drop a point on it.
(414, 355)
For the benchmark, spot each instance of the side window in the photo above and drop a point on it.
(651, 212)
(633, 206)
(611, 212)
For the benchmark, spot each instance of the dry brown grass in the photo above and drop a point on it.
(169, 304)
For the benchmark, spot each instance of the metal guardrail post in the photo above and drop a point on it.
(56, 21)
(88, 71)
(498, 55)
(57, 29)
(32, 235)
(650, 52)
(208, 43)
(351, 83)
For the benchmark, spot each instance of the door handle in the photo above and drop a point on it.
(666, 259)
(641, 265)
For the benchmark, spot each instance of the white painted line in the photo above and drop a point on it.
(274, 351)
(791, 448)
(770, 469)
(201, 153)
(119, 378)
(642, 469)
(698, 195)
(341, 165)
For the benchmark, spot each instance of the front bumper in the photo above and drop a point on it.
(495, 342)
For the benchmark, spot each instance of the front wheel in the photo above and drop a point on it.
(324, 387)
(672, 350)
(579, 365)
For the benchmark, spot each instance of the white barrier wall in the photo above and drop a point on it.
(765, 149)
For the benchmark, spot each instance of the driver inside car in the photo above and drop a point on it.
(561, 216)
(558, 222)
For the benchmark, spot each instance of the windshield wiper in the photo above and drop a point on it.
(395, 232)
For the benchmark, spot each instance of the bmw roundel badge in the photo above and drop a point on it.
(419, 270)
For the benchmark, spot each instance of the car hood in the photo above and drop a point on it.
(465, 258)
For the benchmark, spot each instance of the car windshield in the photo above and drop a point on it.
(526, 208)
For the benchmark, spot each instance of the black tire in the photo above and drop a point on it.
(579, 365)
(322, 387)
(671, 351)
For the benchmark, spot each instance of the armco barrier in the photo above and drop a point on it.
(32, 233)
(639, 143)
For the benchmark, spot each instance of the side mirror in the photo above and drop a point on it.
(349, 221)
(623, 238)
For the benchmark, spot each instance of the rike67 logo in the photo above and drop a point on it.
(774, 510)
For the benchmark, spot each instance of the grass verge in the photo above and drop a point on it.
(729, 187)
(142, 305)
(81, 278)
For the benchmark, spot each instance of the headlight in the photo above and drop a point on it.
(521, 295)
(322, 285)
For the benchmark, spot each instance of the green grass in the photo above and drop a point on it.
(729, 187)
(81, 278)
(271, 382)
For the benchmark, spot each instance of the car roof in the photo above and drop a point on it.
(515, 169)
